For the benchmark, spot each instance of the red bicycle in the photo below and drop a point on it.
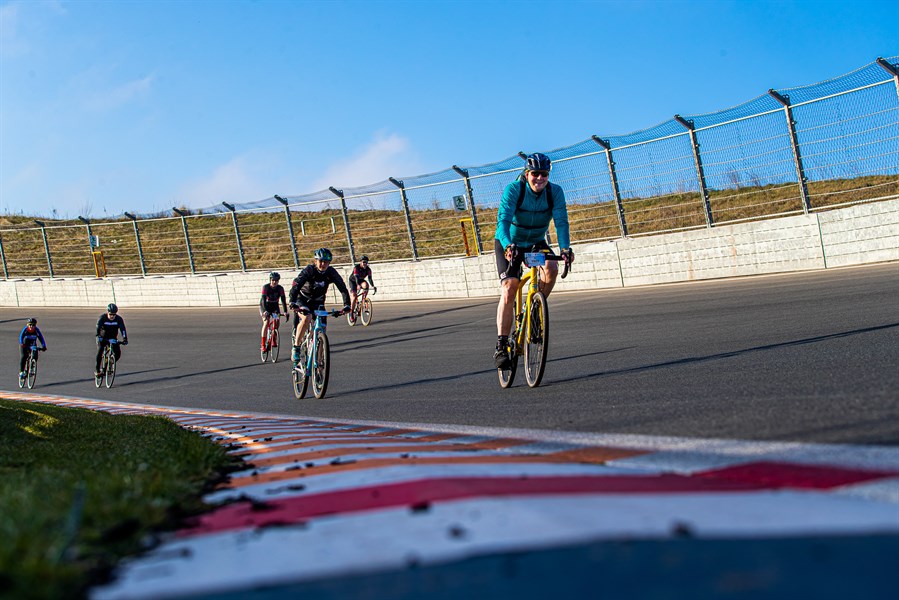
(270, 345)
(363, 310)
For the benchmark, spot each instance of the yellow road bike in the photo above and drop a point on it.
(530, 327)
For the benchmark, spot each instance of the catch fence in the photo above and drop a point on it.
(788, 151)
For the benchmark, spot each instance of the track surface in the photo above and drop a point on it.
(810, 357)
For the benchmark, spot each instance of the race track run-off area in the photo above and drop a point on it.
(351, 510)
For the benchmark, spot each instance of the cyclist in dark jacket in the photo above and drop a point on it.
(308, 293)
(357, 279)
(268, 303)
(108, 327)
(27, 338)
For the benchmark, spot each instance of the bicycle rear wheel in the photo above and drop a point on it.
(31, 370)
(366, 312)
(537, 341)
(321, 366)
(507, 376)
(98, 379)
(274, 346)
(110, 368)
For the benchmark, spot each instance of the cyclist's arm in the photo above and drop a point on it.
(337, 280)
(100, 326)
(506, 213)
(22, 336)
(298, 284)
(283, 300)
(41, 338)
(560, 218)
(122, 327)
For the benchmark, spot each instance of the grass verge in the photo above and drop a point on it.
(82, 489)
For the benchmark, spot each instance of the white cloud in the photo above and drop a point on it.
(385, 156)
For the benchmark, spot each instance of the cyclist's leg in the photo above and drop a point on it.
(117, 351)
(508, 279)
(548, 273)
(264, 327)
(354, 294)
(101, 345)
(25, 351)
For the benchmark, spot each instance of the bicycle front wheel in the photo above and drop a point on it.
(31, 370)
(366, 312)
(266, 344)
(351, 317)
(537, 340)
(274, 345)
(321, 366)
(110, 368)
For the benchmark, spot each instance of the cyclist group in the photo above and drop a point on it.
(528, 206)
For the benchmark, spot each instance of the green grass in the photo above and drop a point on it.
(382, 234)
(81, 489)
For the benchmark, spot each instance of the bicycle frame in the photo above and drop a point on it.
(320, 323)
(531, 280)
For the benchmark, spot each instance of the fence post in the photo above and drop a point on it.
(46, 246)
(90, 236)
(471, 208)
(243, 262)
(3, 259)
(794, 143)
(892, 70)
(700, 172)
(140, 249)
(613, 177)
(405, 200)
(190, 252)
(346, 222)
(293, 241)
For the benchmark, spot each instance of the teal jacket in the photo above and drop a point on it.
(529, 224)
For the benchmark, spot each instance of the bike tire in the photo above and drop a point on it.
(351, 317)
(300, 384)
(366, 312)
(266, 344)
(98, 380)
(537, 340)
(507, 376)
(110, 369)
(30, 371)
(321, 366)
(274, 346)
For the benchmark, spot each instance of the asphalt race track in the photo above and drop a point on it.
(808, 357)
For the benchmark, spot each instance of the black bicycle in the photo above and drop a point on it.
(28, 376)
(106, 374)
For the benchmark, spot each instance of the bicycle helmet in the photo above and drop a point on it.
(112, 308)
(364, 258)
(323, 254)
(539, 162)
(274, 275)
(31, 322)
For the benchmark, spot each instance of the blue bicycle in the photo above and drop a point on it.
(315, 357)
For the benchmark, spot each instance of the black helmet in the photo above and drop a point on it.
(274, 275)
(112, 308)
(539, 162)
(323, 254)
(31, 321)
(364, 258)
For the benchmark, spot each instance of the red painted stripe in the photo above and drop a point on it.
(297, 509)
(778, 475)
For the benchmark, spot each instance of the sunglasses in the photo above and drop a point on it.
(539, 173)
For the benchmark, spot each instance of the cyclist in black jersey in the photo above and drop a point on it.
(357, 279)
(268, 303)
(308, 292)
(108, 327)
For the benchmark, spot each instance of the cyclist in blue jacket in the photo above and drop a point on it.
(27, 338)
(529, 204)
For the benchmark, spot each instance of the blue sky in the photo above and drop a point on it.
(139, 106)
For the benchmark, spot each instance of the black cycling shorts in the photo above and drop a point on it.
(502, 265)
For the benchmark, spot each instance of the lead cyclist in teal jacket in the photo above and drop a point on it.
(529, 204)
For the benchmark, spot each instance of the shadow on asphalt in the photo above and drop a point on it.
(722, 355)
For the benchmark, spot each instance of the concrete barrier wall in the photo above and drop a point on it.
(860, 234)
